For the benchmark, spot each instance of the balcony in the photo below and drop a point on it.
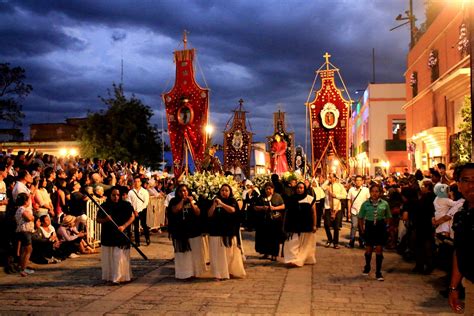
(395, 145)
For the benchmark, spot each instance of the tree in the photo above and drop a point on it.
(122, 132)
(463, 143)
(12, 92)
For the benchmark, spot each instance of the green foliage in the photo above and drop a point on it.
(122, 132)
(463, 143)
(12, 92)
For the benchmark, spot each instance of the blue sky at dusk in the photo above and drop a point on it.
(263, 51)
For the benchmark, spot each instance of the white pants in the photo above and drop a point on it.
(116, 264)
(225, 261)
(191, 263)
(300, 250)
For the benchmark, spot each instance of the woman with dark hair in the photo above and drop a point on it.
(46, 244)
(269, 232)
(115, 254)
(224, 225)
(185, 231)
(300, 227)
(43, 199)
(424, 231)
(373, 217)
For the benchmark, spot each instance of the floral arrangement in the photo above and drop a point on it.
(207, 184)
(463, 41)
(288, 176)
(413, 79)
(433, 58)
(260, 180)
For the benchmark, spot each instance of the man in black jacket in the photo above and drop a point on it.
(463, 227)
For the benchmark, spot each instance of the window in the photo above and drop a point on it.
(399, 129)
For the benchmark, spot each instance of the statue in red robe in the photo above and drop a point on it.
(279, 163)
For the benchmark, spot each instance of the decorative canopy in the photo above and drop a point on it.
(328, 114)
(237, 143)
(187, 112)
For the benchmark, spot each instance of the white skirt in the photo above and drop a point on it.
(225, 261)
(300, 250)
(191, 263)
(116, 264)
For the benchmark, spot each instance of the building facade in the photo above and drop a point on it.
(377, 128)
(436, 82)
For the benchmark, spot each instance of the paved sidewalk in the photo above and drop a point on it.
(334, 286)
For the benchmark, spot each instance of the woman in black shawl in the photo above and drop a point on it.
(185, 231)
(300, 228)
(269, 232)
(224, 224)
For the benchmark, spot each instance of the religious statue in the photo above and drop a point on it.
(211, 163)
(279, 164)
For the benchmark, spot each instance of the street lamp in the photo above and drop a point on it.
(411, 20)
(209, 129)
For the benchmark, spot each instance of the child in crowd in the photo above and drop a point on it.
(24, 229)
(442, 204)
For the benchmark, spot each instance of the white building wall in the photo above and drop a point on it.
(384, 99)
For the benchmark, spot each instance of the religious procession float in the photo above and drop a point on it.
(187, 113)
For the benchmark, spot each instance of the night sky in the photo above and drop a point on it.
(265, 52)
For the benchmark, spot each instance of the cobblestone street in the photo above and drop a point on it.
(334, 286)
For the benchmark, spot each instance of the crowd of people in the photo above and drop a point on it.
(425, 217)
(43, 202)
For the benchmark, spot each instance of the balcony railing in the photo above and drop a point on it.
(395, 145)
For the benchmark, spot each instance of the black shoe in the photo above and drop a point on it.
(137, 244)
(366, 270)
(328, 244)
(362, 245)
(379, 276)
(350, 245)
(148, 242)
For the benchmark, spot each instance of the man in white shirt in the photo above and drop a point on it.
(24, 178)
(335, 192)
(356, 196)
(139, 198)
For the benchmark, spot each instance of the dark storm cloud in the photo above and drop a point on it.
(265, 52)
(118, 36)
(25, 35)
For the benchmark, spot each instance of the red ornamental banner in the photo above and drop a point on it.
(328, 119)
(186, 111)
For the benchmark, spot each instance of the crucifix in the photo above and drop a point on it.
(327, 60)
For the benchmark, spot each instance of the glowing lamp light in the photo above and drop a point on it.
(63, 152)
(73, 152)
(209, 129)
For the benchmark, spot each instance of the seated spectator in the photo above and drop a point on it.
(72, 239)
(46, 245)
